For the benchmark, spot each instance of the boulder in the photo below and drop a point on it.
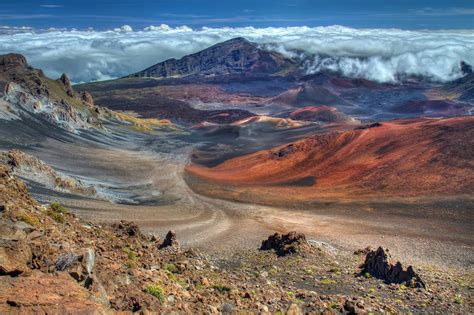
(86, 97)
(66, 260)
(284, 244)
(126, 228)
(378, 264)
(170, 240)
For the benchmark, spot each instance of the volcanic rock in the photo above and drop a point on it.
(465, 68)
(126, 228)
(67, 84)
(13, 60)
(378, 264)
(284, 244)
(170, 240)
(66, 260)
(283, 152)
(87, 98)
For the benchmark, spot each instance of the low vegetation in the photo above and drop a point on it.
(57, 212)
(156, 291)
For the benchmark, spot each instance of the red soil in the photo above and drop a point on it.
(416, 157)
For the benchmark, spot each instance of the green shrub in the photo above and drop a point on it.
(328, 281)
(155, 290)
(57, 207)
(28, 218)
(171, 268)
(132, 257)
(56, 212)
(458, 299)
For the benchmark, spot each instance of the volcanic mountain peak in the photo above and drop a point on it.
(236, 55)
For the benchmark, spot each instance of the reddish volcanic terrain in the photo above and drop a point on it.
(417, 157)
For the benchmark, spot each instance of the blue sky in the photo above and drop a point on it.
(106, 14)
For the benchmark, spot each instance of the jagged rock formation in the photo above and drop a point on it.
(170, 240)
(378, 264)
(284, 244)
(237, 55)
(28, 91)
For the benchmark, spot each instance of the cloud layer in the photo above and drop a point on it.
(384, 55)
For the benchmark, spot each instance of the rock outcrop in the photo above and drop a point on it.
(13, 60)
(170, 240)
(378, 264)
(28, 91)
(284, 244)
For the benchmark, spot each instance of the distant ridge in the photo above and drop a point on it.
(235, 56)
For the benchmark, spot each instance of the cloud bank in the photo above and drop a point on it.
(383, 55)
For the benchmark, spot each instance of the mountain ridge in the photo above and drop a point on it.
(237, 55)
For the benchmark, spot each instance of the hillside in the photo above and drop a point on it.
(418, 157)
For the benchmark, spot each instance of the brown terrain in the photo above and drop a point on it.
(54, 262)
(404, 158)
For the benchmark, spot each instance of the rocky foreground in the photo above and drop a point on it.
(53, 262)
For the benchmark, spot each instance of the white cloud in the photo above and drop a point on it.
(376, 54)
(124, 29)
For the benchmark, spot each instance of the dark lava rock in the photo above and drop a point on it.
(126, 228)
(66, 260)
(466, 68)
(284, 151)
(170, 240)
(377, 263)
(284, 244)
(374, 125)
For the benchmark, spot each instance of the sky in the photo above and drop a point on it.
(108, 14)
(380, 40)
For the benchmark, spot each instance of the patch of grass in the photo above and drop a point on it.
(171, 268)
(132, 257)
(221, 288)
(156, 291)
(145, 124)
(28, 218)
(57, 207)
(458, 299)
(309, 271)
(327, 281)
(334, 305)
(57, 212)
